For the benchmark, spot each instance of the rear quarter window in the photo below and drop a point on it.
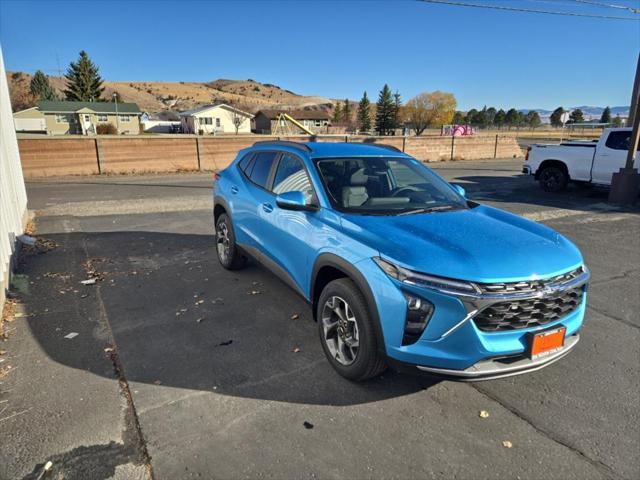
(261, 168)
(618, 140)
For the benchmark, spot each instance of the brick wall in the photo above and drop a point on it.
(42, 157)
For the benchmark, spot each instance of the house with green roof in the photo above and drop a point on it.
(79, 118)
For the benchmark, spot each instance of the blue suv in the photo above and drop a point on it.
(398, 266)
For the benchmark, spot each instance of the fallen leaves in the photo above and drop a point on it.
(483, 414)
(295, 316)
(307, 425)
(296, 350)
(507, 444)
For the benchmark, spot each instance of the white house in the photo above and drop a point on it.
(215, 119)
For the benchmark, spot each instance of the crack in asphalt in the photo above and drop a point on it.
(133, 431)
(597, 464)
(611, 317)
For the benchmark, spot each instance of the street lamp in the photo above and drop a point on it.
(115, 99)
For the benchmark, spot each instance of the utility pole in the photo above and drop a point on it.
(625, 184)
(115, 99)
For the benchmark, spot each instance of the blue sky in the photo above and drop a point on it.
(340, 49)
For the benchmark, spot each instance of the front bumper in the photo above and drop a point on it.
(504, 366)
(526, 169)
(452, 344)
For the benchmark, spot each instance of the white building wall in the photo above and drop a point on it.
(13, 196)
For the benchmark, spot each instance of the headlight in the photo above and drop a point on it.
(445, 285)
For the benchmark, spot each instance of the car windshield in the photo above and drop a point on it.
(385, 186)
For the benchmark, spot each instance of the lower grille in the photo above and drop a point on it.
(517, 314)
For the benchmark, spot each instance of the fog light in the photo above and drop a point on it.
(419, 312)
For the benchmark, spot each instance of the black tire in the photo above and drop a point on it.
(233, 259)
(553, 179)
(368, 362)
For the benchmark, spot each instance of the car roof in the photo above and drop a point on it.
(335, 149)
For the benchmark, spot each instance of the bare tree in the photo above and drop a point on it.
(237, 118)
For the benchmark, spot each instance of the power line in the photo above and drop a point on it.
(527, 10)
(609, 5)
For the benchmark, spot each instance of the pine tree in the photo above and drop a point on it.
(364, 115)
(458, 118)
(83, 81)
(512, 118)
(555, 118)
(337, 113)
(617, 121)
(576, 116)
(385, 111)
(397, 106)
(606, 115)
(533, 119)
(41, 88)
(346, 112)
(499, 118)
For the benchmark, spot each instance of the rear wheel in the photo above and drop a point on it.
(228, 253)
(553, 179)
(347, 333)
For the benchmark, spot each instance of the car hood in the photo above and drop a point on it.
(481, 244)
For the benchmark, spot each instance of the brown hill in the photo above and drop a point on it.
(248, 95)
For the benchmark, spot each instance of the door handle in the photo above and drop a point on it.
(267, 207)
(234, 189)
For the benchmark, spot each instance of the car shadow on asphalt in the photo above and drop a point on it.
(524, 190)
(180, 320)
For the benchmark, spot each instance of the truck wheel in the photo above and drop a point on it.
(347, 333)
(228, 253)
(553, 179)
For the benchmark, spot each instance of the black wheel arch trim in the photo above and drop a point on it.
(220, 201)
(351, 272)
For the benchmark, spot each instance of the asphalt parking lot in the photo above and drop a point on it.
(183, 370)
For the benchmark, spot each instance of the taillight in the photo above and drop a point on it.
(526, 157)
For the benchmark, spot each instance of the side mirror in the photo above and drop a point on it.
(293, 201)
(461, 191)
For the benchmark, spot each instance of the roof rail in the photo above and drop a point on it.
(388, 147)
(284, 143)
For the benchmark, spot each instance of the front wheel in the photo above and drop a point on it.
(228, 253)
(347, 333)
(553, 179)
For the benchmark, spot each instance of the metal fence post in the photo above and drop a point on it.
(346, 139)
(453, 139)
(198, 152)
(495, 149)
(98, 154)
(404, 142)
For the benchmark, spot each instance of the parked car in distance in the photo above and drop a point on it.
(398, 266)
(586, 162)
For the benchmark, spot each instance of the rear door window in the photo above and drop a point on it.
(261, 168)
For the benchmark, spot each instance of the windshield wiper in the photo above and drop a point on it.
(436, 208)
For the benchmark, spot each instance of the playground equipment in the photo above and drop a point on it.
(282, 125)
(457, 130)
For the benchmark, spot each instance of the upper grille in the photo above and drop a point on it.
(529, 285)
(516, 314)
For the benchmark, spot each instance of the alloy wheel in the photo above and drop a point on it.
(223, 242)
(340, 329)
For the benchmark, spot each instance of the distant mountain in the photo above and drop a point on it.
(590, 112)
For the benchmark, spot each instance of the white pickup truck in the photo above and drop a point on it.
(587, 162)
